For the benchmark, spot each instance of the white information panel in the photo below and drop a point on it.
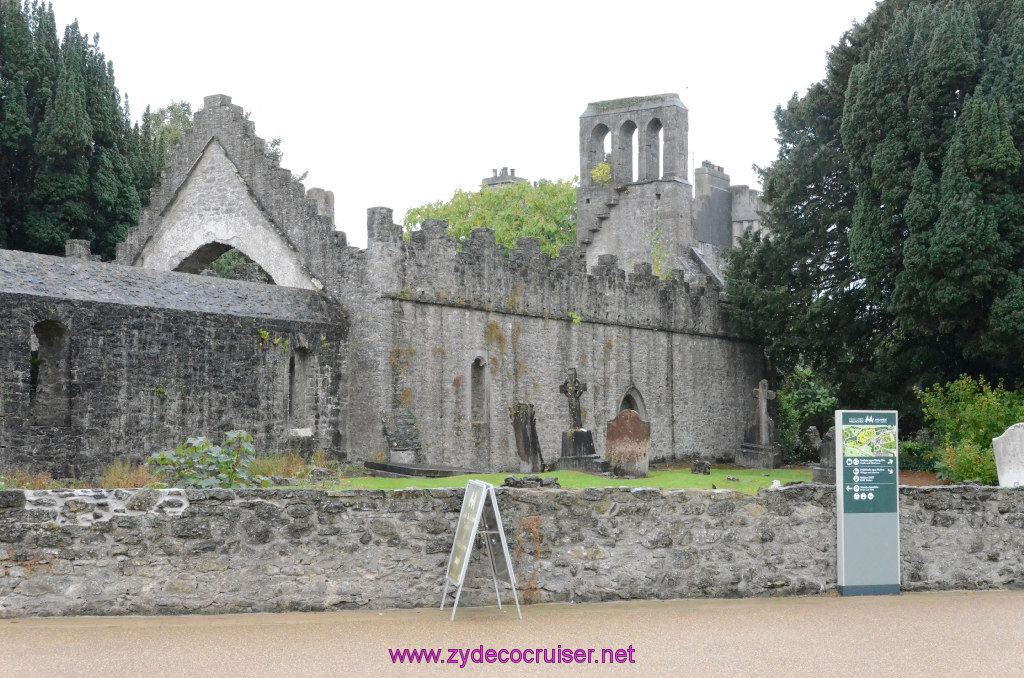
(479, 502)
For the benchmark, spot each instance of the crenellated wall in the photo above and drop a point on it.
(113, 552)
(428, 343)
(525, 319)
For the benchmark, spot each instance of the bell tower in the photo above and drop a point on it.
(635, 197)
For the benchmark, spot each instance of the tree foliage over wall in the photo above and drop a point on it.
(71, 163)
(896, 254)
(546, 211)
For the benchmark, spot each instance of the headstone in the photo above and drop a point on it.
(577, 442)
(812, 439)
(573, 389)
(628, 439)
(1009, 451)
(524, 427)
(825, 471)
(759, 449)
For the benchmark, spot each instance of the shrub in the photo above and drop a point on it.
(805, 399)
(289, 465)
(968, 462)
(969, 410)
(918, 453)
(602, 173)
(965, 415)
(22, 479)
(125, 474)
(201, 464)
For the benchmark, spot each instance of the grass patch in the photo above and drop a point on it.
(750, 480)
(21, 479)
(125, 474)
(289, 465)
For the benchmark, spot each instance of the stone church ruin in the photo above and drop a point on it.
(408, 351)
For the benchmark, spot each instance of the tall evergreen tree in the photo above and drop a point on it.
(924, 128)
(71, 162)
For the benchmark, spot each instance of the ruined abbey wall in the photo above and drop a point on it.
(408, 350)
(101, 362)
(473, 332)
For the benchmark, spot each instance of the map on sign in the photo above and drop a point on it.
(869, 441)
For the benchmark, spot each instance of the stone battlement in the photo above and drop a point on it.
(432, 267)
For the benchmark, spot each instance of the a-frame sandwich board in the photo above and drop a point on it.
(479, 502)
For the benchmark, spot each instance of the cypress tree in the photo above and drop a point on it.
(61, 194)
(928, 161)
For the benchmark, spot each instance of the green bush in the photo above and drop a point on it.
(964, 416)
(917, 454)
(805, 399)
(201, 464)
(968, 463)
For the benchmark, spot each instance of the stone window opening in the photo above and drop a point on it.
(654, 151)
(221, 260)
(298, 388)
(477, 411)
(632, 400)
(600, 146)
(628, 155)
(50, 374)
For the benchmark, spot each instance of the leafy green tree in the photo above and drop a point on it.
(896, 219)
(546, 211)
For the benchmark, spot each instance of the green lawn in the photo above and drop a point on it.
(749, 480)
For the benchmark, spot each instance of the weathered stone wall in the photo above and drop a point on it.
(694, 388)
(527, 318)
(152, 358)
(215, 551)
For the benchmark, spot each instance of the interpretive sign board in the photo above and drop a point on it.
(479, 502)
(867, 502)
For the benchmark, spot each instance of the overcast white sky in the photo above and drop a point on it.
(400, 103)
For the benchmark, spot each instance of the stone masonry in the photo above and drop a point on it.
(100, 552)
(408, 350)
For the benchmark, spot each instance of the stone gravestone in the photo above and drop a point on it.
(577, 442)
(825, 471)
(1009, 451)
(627, 442)
(759, 449)
(524, 426)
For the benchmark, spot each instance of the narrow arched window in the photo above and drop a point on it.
(626, 169)
(298, 388)
(652, 160)
(632, 400)
(50, 374)
(476, 382)
(600, 148)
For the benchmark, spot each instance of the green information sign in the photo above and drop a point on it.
(867, 502)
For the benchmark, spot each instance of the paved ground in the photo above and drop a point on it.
(927, 634)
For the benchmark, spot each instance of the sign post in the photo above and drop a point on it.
(867, 502)
(479, 502)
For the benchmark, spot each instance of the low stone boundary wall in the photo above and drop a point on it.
(100, 552)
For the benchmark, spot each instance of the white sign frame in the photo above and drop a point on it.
(867, 542)
(474, 501)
